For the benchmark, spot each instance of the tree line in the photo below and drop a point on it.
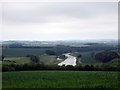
(33, 66)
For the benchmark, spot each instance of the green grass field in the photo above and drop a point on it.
(11, 53)
(46, 59)
(21, 52)
(49, 60)
(87, 58)
(0, 79)
(18, 60)
(60, 79)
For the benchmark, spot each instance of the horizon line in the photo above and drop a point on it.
(62, 40)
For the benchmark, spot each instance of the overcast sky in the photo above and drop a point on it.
(59, 21)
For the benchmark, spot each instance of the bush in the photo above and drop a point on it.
(34, 59)
(50, 52)
(34, 66)
(62, 57)
(106, 56)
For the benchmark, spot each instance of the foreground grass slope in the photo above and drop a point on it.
(60, 79)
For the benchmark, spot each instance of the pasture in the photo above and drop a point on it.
(46, 59)
(49, 60)
(87, 58)
(60, 79)
(22, 52)
(18, 60)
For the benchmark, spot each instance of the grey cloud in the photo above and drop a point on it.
(48, 21)
(41, 12)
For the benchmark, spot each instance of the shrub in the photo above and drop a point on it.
(50, 52)
(106, 56)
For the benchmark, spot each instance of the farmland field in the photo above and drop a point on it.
(15, 53)
(18, 60)
(87, 58)
(46, 59)
(0, 78)
(60, 79)
(50, 60)
(18, 52)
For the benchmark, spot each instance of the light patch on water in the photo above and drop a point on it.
(71, 60)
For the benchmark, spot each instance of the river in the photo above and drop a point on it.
(71, 60)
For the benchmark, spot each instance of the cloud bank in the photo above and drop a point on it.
(60, 21)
